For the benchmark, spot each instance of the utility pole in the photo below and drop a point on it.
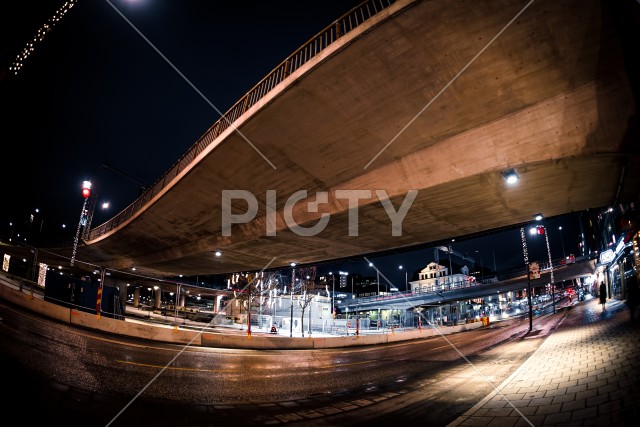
(293, 280)
(86, 193)
(495, 270)
(333, 296)
(525, 252)
(546, 238)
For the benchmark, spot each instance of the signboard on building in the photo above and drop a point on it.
(534, 270)
(607, 256)
(5, 262)
(42, 274)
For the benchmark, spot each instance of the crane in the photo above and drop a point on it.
(450, 251)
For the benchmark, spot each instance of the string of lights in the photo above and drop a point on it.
(17, 64)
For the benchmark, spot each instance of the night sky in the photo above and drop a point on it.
(505, 247)
(96, 93)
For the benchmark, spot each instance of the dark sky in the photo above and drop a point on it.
(95, 92)
(503, 246)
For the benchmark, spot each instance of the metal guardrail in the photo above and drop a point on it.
(341, 26)
(406, 295)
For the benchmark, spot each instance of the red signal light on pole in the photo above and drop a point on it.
(86, 189)
(540, 229)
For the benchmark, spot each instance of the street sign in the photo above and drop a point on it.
(534, 270)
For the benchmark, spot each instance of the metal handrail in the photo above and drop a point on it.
(517, 272)
(341, 26)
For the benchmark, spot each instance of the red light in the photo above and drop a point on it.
(540, 230)
(86, 189)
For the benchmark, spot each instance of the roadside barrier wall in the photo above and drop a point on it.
(14, 292)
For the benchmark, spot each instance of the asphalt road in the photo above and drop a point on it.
(61, 375)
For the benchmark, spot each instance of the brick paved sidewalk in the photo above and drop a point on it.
(586, 373)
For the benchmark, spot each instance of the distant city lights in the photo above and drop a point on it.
(40, 34)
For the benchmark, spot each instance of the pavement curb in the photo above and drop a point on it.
(469, 413)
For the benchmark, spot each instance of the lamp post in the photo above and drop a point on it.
(377, 276)
(149, 315)
(293, 280)
(353, 294)
(564, 255)
(86, 193)
(175, 322)
(249, 308)
(525, 252)
(541, 229)
(406, 279)
(495, 269)
(309, 322)
(155, 295)
(333, 295)
(481, 267)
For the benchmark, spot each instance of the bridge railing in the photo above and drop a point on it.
(341, 26)
(417, 293)
(434, 290)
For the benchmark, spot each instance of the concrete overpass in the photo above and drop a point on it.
(408, 300)
(434, 96)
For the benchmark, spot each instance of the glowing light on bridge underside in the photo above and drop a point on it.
(218, 253)
(510, 176)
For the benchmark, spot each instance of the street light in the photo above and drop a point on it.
(293, 279)
(525, 253)
(377, 276)
(562, 241)
(149, 315)
(481, 267)
(155, 288)
(86, 193)
(406, 279)
(378, 283)
(541, 229)
(333, 295)
(175, 324)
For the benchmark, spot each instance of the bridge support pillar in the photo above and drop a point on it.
(136, 297)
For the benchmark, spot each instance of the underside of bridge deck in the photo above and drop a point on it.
(431, 98)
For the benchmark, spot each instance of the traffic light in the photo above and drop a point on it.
(86, 189)
(540, 229)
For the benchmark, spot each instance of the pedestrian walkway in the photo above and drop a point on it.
(586, 373)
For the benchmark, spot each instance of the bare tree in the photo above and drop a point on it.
(255, 291)
(307, 291)
(273, 284)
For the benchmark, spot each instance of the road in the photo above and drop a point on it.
(63, 375)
